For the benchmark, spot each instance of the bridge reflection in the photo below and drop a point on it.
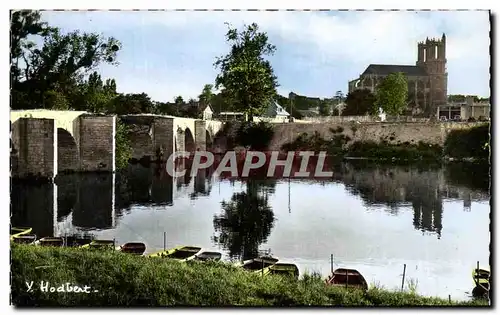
(79, 203)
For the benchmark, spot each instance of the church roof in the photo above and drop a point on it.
(388, 69)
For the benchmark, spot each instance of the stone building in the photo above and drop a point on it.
(427, 80)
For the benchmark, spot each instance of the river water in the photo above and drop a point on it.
(371, 218)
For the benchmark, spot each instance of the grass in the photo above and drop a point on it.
(127, 280)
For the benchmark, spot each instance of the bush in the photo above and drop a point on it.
(469, 143)
(257, 136)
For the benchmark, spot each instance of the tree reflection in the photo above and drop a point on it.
(246, 220)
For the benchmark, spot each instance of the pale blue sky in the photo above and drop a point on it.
(169, 53)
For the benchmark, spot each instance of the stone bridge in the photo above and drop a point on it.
(47, 142)
(149, 133)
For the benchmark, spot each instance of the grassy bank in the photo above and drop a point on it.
(125, 280)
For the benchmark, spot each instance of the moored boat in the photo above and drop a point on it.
(207, 255)
(50, 241)
(24, 239)
(72, 241)
(100, 244)
(284, 269)
(18, 231)
(347, 278)
(179, 253)
(258, 264)
(135, 248)
(481, 278)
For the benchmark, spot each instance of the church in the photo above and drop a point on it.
(427, 80)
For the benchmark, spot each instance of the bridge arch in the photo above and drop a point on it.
(179, 139)
(209, 140)
(189, 144)
(67, 152)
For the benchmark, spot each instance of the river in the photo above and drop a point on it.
(371, 218)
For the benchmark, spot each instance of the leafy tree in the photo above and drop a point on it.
(324, 108)
(132, 104)
(339, 97)
(246, 77)
(40, 75)
(206, 94)
(359, 103)
(95, 96)
(392, 93)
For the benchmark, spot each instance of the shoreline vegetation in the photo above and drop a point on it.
(118, 279)
(471, 145)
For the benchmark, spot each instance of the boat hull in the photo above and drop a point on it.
(181, 253)
(100, 245)
(208, 256)
(349, 278)
(134, 248)
(284, 269)
(18, 231)
(260, 264)
(50, 241)
(25, 239)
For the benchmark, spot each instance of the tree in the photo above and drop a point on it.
(359, 103)
(339, 97)
(392, 93)
(206, 94)
(245, 76)
(324, 108)
(95, 96)
(38, 74)
(132, 104)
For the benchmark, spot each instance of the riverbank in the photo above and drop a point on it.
(117, 279)
(470, 145)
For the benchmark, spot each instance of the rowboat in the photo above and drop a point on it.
(100, 244)
(135, 248)
(77, 241)
(24, 239)
(258, 264)
(18, 231)
(50, 241)
(284, 269)
(206, 256)
(481, 278)
(347, 278)
(180, 253)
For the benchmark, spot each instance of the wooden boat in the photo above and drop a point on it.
(206, 256)
(25, 239)
(481, 278)
(18, 231)
(72, 241)
(180, 253)
(347, 278)
(50, 241)
(284, 269)
(100, 244)
(135, 248)
(258, 264)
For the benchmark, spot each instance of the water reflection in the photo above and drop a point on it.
(246, 220)
(93, 202)
(371, 217)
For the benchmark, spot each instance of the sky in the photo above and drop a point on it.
(170, 53)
